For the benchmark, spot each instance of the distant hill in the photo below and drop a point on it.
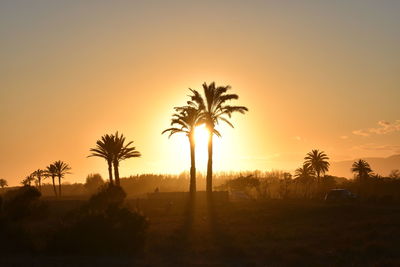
(381, 166)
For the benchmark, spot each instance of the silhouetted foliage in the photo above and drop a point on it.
(61, 169)
(113, 149)
(3, 183)
(214, 110)
(362, 169)
(93, 182)
(104, 225)
(318, 161)
(22, 202)
(187, 118)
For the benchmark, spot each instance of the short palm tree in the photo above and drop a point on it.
(28, 180)
(3, 183)
(104, 149)
(318, 161)
(304, 174)
(51, 171)
(122, 151)
(362, 169)
(185, 121)
(62, 169)
(39, 174)
(214, 110)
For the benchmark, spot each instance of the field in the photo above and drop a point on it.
(252, 233)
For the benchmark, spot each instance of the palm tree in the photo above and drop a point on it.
(28, 180)
(51, 171)
(213, 110)
(39, 174)
(362, 169)
(305, 175)
(62, 169)
(104, 149)
(3, 183)
(318, 161)
(121, 152)
(186, 119)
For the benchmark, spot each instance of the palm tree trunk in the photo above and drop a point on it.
(59, 186)
(209, 164)
(192, 187)
(54, 186)
(116, 172)
(110, 175)
(40, 183)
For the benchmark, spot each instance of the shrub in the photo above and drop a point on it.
(104, 225)
(22, 202)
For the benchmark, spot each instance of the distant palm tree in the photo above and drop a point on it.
(51, 171)
(362, 169)
(104, 149)
(122, 151)
(304, 174)
(62, 169)
(318, 160)
(186, 119)
(39, 174)
(214, 109)
(28, 180)
(3, 183)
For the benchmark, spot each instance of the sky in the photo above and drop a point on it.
(314, 75)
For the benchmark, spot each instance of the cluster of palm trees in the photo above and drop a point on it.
(315, 164)
(209, 108)
(113, 149)
(57, 169)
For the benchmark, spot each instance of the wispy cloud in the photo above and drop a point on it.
(344, 137)
(384, 127)
(376, 147)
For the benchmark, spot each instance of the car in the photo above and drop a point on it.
(339, 195)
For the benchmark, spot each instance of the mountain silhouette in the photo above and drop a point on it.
(381, 166)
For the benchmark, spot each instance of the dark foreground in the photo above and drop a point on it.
(267, 233)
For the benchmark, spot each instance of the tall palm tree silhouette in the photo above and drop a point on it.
(186, 119)
(62, 169)
(214, 109)
(318, 160)
(122, 151)
(39, 174)
(104, 149)
(51, 171)
(362, 168)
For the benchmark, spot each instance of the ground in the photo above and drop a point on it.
(257, 233)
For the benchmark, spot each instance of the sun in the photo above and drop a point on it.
(201, 140)
(201, 135)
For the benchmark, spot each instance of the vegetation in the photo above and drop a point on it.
(186, 119)
(362, 169)
(3, 183)
(214, 109)
(318, 161)
(113, 149)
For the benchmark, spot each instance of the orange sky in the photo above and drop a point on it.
(314, 75)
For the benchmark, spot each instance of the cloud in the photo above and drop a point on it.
(384, 127)
(376, 147)
(344, 137)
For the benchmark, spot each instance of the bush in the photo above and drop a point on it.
(21, 203)
(104, 225)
